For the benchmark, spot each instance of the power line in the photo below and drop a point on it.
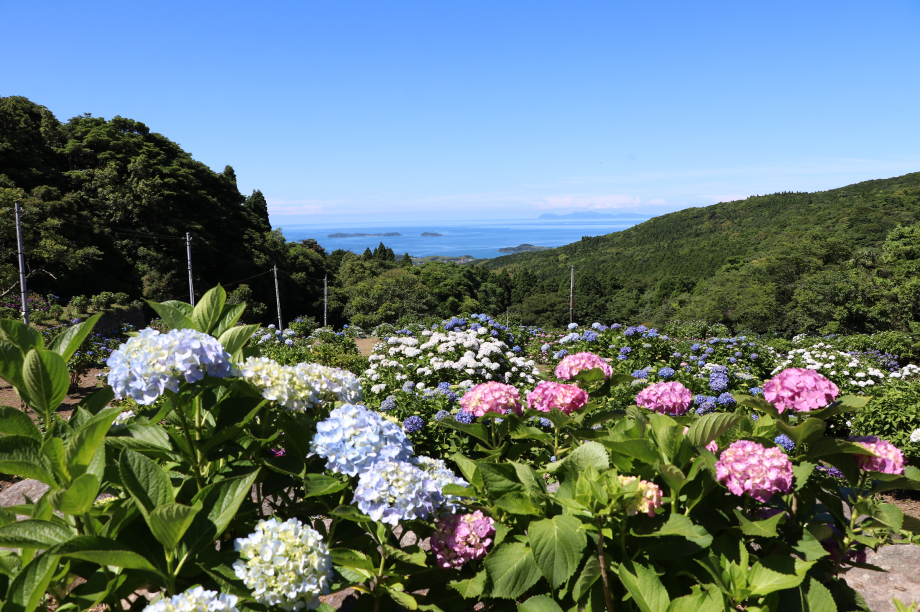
(123, 231)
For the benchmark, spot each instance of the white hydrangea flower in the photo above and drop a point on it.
(285, 564)
(195, 599)
(915, 436)
(442, 476)
(302, 386)
(124, 416)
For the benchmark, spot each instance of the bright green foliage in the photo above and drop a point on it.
(892, 416)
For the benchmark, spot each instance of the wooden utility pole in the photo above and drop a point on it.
(191, 283)
(572, 297)
(22, 268)
(325, 297)
(278, 299)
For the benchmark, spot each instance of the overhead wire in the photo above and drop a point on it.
(124, 231)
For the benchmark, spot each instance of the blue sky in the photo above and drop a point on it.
(421, 111)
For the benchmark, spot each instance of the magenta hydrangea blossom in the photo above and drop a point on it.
(570, 366)
(666, 398)
(799, 389)
(492, 397)
(548, 395)
(748, 467)
(890, 459)
(460, 538)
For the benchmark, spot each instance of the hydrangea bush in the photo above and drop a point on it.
(223, 494)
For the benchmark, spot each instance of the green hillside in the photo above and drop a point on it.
(787, 261)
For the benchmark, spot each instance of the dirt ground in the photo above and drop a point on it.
(366, 345)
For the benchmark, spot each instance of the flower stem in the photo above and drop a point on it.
(608, 599)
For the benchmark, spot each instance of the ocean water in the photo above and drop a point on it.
(477, 239)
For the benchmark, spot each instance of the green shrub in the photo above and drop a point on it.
(103, 300)
(892, 416)
(122, 299)
(304, 326)
(79, 303)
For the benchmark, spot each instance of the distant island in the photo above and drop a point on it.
(463, 259)
(590, 214)
(359, 235)
(523, 248)
(431, 234)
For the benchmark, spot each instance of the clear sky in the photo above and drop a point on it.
(351, 110)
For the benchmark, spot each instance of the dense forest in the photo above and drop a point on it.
(107, 204)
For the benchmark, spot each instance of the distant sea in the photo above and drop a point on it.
(478, 239)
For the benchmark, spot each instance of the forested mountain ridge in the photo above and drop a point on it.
(783, 261)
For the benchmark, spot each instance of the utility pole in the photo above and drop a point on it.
(278, 299)
(325, 296)
(22, 268)
(191, 283)
(572, 297)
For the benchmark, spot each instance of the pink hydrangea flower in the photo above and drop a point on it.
(890, 459)
(459, 538)
(748, 467)
(492, 397)
(666, 398)
(647, 498)
(799, 389)
(712, 446)
(579, 362)
(548, 395)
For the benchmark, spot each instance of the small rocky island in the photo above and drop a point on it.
(359, 235)
(523, 248)
(431, 234)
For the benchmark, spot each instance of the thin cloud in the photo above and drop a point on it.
(589, 202)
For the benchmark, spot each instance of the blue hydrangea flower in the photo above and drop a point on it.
(438, 471)
(516, 349)
(289, 342)
(560, 354)
(408, 386)
(830, 471)
(700, 399)
(709, 351)
(706, 407)
(755, 391)
(625, 350)
(389, 403)
(754, 417)
(676, 355)
(440, 415)
(785, 442)
(652, 334)
(353, 437)
(666, 372)
(737, 353)
(629, 331)
(573, 325)
(640, 374)
(544, 422)
(150, 363)
(596, 325)
(390, 490)
(725, 399)
(621, 357)
(641, 328)
(754, 355)
(444, 385)
(718, 381)
(695, 348)
(616, 326)
(545, 348)
(732, 360)
(590, 336)
(413, 424)
(464, 417)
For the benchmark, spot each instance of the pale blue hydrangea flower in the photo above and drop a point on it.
(150, 363)
(389, 491)
(353, 437)
(442, 476)
(573, 325)
(545, 348)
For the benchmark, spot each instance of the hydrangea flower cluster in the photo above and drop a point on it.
(785, 442)
(666, 398)
(718, 379)
(390, 490)
(195, 599)
(442, 476)
(571, 365)
(285, 564)
(491, 397)
(889, 459)
(413, 424)
(548, 395)
(915, 436)
(302, 386)
(646, 499)
(748, 467)
(461, 538)
(799, 389)
(148, 364)
(352, 438)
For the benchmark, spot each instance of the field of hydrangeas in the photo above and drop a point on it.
(609, 467)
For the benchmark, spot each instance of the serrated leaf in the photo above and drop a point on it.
(776, 573)
(22, 456)
(208, 309)
(645, 587)
(20, 335)
(586, 579)
(78, 498)
(33, 534)
(228, 318)
(469, 470)
(15, 422)
(46, 379)
(220, 502)
(320, 484)
(68, 342)
(802, 472)
(512, 569)
(711, 426)
(29, 586)
(470, 588)
(11, 366)
(819, 598)
(83, 444)
(541, 603)
(804, 432)
(499, 478)
(173, 316)
(103, 551)
(402, 598)
(169, 523)
(140, 437)
(145, 480)
(641, 449)
(762, 529)
(235, 338)
(518, 502)
(557, 544)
